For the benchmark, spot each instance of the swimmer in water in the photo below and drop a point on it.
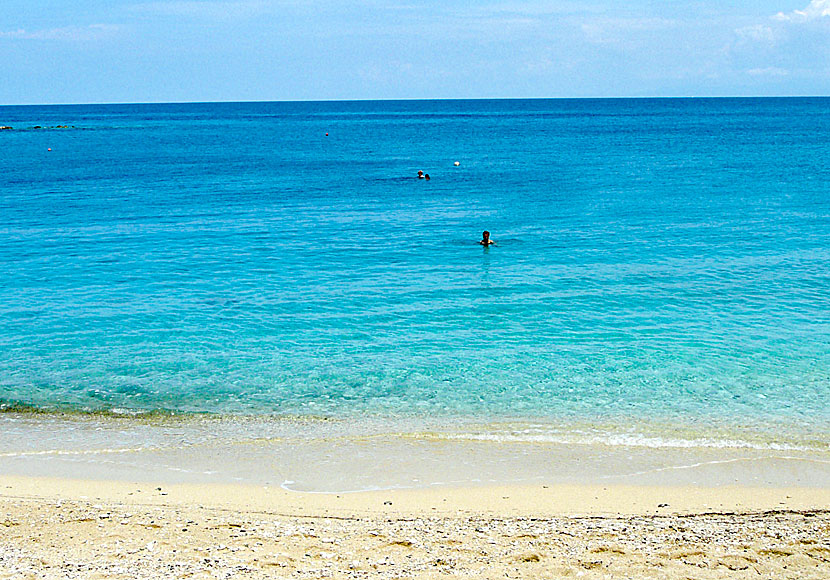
(485, 239)
(420, 174)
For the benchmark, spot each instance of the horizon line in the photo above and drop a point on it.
(416, 99)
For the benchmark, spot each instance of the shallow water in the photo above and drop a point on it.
(660, 275)
(319, 455)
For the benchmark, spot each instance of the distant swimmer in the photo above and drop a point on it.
(426, 176)
(485, 239)
(420, 174)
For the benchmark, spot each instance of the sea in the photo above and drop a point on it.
(176, 277)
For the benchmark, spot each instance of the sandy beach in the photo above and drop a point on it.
(59, 528)
(243, 339)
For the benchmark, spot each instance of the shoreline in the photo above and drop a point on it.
(540, 500)
(115, 499)
(345, 457)
(93, 529)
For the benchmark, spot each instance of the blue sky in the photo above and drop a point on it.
(95, 51)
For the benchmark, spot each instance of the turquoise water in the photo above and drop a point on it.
(659, 263)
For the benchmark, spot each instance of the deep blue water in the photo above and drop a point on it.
(656, 259)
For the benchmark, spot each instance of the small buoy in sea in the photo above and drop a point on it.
(457, 163)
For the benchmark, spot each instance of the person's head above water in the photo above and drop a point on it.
(485, 239)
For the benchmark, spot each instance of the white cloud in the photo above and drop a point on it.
(786, 47)
(757, 33)
(771, 71)
(213, 9)
(66, 33)
(616, 30)
(817, 9)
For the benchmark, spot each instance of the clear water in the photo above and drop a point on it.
(661, 265)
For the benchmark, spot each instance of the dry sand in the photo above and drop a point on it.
(51, 528)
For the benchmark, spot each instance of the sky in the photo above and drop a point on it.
(109, 51)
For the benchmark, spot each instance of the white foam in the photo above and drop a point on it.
(75, 452)
(617, 440)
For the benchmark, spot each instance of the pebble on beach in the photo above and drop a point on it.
(78, 539)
